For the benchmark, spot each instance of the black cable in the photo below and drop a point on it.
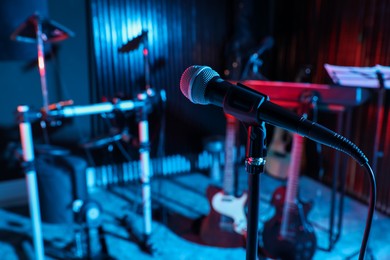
(371, 209)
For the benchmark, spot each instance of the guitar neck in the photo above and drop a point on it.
(292, 183)
(230, 155)
(294, 169)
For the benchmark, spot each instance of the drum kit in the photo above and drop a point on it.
(40, 31)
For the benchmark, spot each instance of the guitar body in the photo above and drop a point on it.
(278, 156)
(225, 226)
(222, 225)
(299, 242)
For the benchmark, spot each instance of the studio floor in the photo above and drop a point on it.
(180, 201)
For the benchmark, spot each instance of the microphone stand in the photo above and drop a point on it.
(254, 165)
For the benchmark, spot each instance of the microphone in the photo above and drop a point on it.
(202, 85)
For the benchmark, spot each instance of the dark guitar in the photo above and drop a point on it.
(289, 235)
(225, 225)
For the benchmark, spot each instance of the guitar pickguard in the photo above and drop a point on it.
(233, 207)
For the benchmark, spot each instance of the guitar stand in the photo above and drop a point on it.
(254, 165)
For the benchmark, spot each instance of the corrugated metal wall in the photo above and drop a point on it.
(346, 33)
(180, 34)
(183, 33)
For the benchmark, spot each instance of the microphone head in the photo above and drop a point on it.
(194, 81)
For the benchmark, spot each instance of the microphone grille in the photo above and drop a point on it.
(194, 81)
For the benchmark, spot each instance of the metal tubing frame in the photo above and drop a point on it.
(31, 181)
(143, 130)
(25, 118)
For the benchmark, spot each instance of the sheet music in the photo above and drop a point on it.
(358, 76)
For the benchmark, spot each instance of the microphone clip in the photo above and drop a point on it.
(243, 103)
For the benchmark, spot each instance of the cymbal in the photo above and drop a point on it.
(134, 43)
(51, 30)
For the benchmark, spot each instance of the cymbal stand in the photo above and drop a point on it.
(146, 171)
(144, 150)
(25, 119)
(41, 64)
(42, 74)
(145, 53)
(39, 30)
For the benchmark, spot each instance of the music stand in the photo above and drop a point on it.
(376, 77)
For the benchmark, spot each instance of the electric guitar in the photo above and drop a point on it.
(225, 226)
(278, 156)
(289, 235)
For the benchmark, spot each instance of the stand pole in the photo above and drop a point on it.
(145, 53)
(42, 75)
(254, 166)
(144, 151)
(379, 121)
(41, 65)
(31, 180)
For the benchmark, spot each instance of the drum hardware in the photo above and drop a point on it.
(139, 237)
(25, 117)
(102, 141)
(149, 97)
(39, 30)
(134, 43)
(89, 240)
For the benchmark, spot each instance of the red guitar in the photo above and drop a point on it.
(288, 235)
(225, 226)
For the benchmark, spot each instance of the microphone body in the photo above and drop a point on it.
(202, 85)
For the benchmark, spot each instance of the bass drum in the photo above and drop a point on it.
(61, 180)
